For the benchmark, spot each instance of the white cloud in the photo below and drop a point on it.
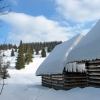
(79, 10)
(85, 31)
(30, 28)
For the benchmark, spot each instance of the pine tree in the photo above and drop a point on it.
(28, 56)
(48, 49)
(12, 53)
(37, 51)
(43, 53)
(20, 59)
(16, 50)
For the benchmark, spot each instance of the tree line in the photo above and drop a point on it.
(34, 46)
(26, 51)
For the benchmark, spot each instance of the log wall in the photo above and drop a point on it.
(69, 80)
(73, 79)
(93, 73)
(65, 81)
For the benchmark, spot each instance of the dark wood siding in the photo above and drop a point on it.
(65, 81)
(93, 73)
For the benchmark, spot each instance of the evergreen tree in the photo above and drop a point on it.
(12, 53)
(15, 47)
(16, 50)
(48, 49)
(43, 53)
(37, 51)
(28, 56)
(20, 59)
(9, 46)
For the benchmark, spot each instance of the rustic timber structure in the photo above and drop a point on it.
(76, 63)
(65, 81)
(93, 73)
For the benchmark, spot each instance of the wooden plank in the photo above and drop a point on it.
(46, 80)
(93, 73)
(77, 83)
(57, 78)
(94, 70)
(47, 77)
(80, 77)
(80, 80)
(93, 77)
(93, 67)
(95, 85)
(92, 81)
(46, 85)
(60, 85)
(60, 82)
(94, 61)
(75, 74)
(54, 81)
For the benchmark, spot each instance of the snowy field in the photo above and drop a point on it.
(24, 85)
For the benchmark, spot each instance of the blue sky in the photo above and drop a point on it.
(48, 20)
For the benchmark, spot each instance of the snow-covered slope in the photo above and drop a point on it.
(24, 85)
(56, 61)
(88, 48)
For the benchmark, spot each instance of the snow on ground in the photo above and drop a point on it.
(24, 85)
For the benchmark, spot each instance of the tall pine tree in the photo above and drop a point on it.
(43, 53)
(20, 58)
(28, 56)
(12, 53)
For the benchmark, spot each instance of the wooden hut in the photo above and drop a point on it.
(53, 70)
(67, 80)
(87, 51)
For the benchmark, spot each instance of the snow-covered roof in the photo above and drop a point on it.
(88, 48)
(56, 61)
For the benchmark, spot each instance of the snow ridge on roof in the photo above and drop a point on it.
(88, 48)
(56, 61)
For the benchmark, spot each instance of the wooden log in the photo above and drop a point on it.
(43, 79)
(54, 81)
(47, 77)
(75, 74)
(76, 83)
(60, 85)
(57, 78)
(94, 61)
(93, 67)
(75, 80)
(94, 70)
(94, 81)
(77, 77)
(60, 82)
(93, 73)
(46, 85)
(95, 85)
(93, 77)
(46, 82)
